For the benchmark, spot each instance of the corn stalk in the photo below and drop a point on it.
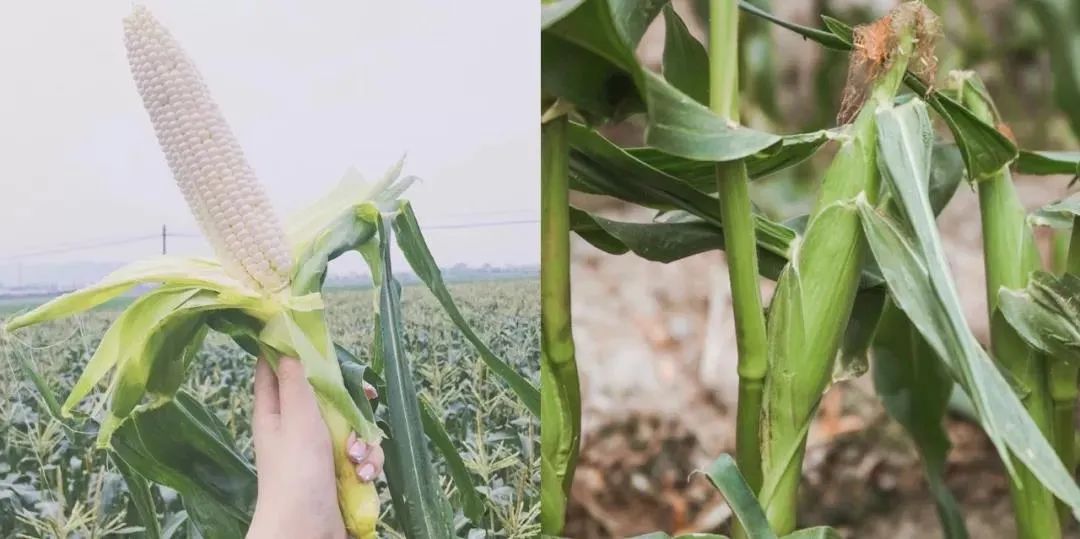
(561, 418)
(733, 188)
(1010, 256)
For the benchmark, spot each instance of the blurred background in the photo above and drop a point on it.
(656, 344)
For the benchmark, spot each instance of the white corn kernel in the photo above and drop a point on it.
(220, 187)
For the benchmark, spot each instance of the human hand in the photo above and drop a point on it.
(297, 492)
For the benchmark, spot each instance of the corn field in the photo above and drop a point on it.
(54, 487)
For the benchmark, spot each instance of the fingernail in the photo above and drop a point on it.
(366, 472)
(370, 392)
(357, 451)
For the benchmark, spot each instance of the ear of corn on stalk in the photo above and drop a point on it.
(150, 342)
(815, 293)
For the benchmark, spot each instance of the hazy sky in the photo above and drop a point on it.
(309, 89)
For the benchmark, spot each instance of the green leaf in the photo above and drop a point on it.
(1060, 214)
(661, 241)
(1046, 314)
(599, 89)
(141, 497)
(792, 150)
(984, 148)
(52, 405)
(912, 260)
(1048, 163)
(355, 373)
(725, 476)
(553, 11)
(183, 446)
(587, 58)
(416, 487)
(598, 166)
(827, 39)
(471, 503)
(680, 126)
(411, 241)
(686, 64)
(914, 387)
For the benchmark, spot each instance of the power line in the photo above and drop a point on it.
(83, 247)
(165, 234)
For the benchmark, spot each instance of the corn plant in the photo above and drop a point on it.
(863, 272)
(263, 291)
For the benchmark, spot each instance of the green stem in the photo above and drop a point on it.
(1010, 256)
(733, 187)
(560, 419)
(1063, 385)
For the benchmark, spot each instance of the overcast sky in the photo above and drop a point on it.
(309, 89)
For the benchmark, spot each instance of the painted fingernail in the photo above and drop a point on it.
(366, 472)
(357, 451)
(370, 392)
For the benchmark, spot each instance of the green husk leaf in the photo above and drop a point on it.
(851, 361)
(122, 340)
(174, 271)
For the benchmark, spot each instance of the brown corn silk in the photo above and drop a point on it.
(872, 53)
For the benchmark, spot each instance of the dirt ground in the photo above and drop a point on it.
(659, 399)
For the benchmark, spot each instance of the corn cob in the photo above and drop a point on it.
(815, 294)
(233, 212)
(220, 187)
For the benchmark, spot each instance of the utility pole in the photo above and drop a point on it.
(164, 250)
